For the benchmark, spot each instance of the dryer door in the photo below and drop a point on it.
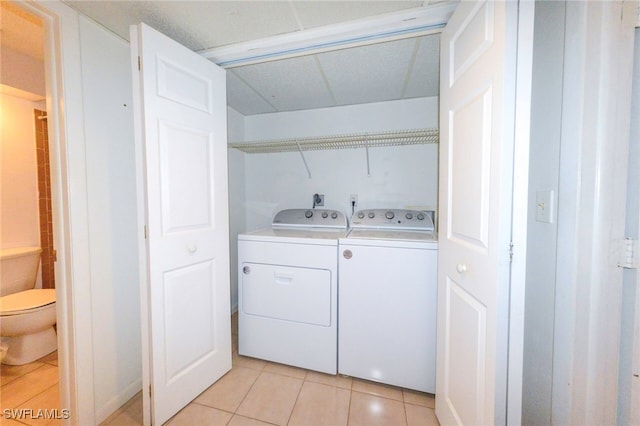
(287, 293)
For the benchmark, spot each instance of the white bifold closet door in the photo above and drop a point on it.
(182, 148)
(475, 215)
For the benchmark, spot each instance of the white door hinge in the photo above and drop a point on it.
(628, 254)
(146, 233)
(511, 251)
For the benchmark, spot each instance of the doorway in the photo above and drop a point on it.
(68, 214)
(26, 186)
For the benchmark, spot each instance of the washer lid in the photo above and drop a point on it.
(315, 236)
(25, 300)
(391, 239)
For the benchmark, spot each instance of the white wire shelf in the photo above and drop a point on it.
(358, 140)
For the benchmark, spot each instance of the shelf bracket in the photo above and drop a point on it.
(366, 148)
(304, 160)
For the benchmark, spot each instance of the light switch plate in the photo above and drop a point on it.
(544, 206)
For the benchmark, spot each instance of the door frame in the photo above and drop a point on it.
(523, 15)
(69, 202)
(143, 249)
(594, 143)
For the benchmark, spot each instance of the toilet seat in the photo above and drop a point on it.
(26, 301)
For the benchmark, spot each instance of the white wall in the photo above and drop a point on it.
(115, 301)
(630, 291)
(542, 237)
(22, 72)
(20, 223)
(235, 132)
(400, 176)
(372, 117)
(19, 197)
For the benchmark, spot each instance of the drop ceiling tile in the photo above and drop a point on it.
(359, 75)
(243, 98)
(195, 24)
(424, 79)
(289, 84)
(370, 73)
(318, 13)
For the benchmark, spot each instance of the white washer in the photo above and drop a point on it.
(288, 287)
(387, 299)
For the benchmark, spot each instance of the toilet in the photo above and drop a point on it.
(27, 314)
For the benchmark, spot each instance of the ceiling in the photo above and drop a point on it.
(21, 31)
(393, 70)
(400, 69)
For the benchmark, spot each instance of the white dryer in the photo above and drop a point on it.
(387, 299)
(288, 288)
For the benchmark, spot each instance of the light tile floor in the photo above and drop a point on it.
(254, 392)
(257, 392)
(31, 386)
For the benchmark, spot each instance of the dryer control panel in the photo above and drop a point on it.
(310, 218)
(399, 219)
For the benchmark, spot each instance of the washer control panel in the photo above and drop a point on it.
(310, 218)
(399, 219)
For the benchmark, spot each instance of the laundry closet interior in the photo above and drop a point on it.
(379, 100)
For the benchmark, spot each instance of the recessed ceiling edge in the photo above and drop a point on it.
(392, 26)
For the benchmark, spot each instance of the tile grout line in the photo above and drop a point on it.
(404, 408)
(53, 385)
(349, 408)
(235, 411)
(22, 376)
(297, 397)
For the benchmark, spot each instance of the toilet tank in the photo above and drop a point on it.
(18, 269)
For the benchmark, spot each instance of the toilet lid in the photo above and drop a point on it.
(28, 299)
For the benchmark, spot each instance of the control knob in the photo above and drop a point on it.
(308, 214)
(371, 215)
(361, 215)
(389, 215)
(324, 215)
(409, 216)
(334, 215)
(420, 216)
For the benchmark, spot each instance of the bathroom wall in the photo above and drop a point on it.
(19, 218)
(112, 216)
(22, 71)
(47, 257)
(22, 90)
(400, 176)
